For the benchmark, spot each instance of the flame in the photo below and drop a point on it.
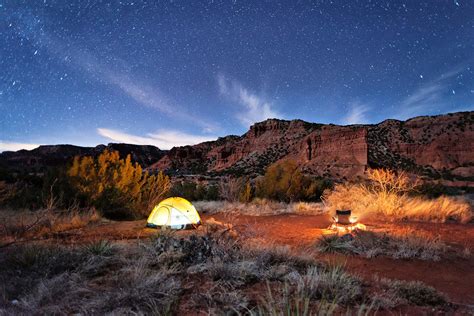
(346, 229)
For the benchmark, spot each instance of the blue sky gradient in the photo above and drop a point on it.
(180, 72)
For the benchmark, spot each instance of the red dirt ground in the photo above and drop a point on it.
(454, 277)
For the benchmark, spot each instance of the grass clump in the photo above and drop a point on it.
(414, 292)
(406, 244)
(100, 248)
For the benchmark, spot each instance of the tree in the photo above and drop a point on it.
(116, 186)
(284, 181)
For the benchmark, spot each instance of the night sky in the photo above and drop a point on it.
(180, 72)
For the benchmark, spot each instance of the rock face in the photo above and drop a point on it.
(434, 146)
(54, 155)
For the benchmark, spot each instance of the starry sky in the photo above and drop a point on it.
(176, 72)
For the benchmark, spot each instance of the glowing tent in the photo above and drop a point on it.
(175, 212)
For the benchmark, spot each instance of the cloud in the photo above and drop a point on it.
(254, 108)
(163, 139)
(11, 146)
(357, 114)
(427, 95)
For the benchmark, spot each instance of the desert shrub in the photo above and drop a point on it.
(220, 300)
(51, 190)
(230, 188)
(319, 291)
(405, 244)
(117, 187)
(100, 248)
(282, 301)
(260, 207)
(387, 194)
(414, 292)
(27, 266)
(284, 181)
(193, 191)
(57, 280)
(331, 284)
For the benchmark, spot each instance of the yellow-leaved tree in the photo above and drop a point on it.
(117, 187)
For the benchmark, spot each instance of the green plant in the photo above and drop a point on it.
(117, 187)
(284, 181)
(100, 248)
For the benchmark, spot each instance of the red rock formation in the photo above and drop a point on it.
(426, 145)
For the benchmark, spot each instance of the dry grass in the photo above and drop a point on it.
(210, 272)
(400, 244)
(16, 225)
(260, 207)
(366, 203)
(412, 292)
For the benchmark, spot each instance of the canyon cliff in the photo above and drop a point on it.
(432, 146)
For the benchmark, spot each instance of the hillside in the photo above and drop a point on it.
(54, 155)
(435, 146)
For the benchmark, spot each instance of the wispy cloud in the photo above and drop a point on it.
(254, 108)
(357, 114)
(426, 96)
(12, 146)
(162, 139)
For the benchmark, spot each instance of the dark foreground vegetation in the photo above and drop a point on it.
(213, 270)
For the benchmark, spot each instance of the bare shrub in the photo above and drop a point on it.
(386, 195)
(230, 188)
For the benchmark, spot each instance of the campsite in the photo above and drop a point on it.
(236, 157)
(229, 257)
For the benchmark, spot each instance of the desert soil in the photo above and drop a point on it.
(453, 276)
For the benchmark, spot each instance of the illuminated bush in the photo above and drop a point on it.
(387, 193)
(117, 187)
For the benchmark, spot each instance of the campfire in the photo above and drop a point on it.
(345, 222)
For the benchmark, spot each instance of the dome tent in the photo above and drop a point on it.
(174, 212)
